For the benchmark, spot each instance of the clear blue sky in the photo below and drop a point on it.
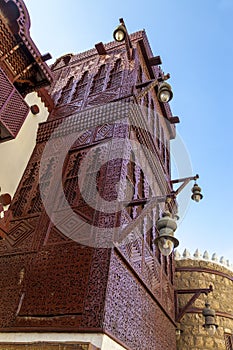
(194, 40)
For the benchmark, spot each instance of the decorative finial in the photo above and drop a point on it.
(186, 254)
(222, 260)
(197, 254)
(206, 255)
(177, 255)
(214, 257)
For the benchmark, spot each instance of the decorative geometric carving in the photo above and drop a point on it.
(72, 287)
(67, 268)
(20, 232)
(56, 237)
(13, 109)
(10, 287)
(84, 139)
(101, 98)
(129, 303)
(94, 308)
(103, 132)
(21, 199)
(73, 227)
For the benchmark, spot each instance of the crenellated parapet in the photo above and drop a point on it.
(205, 256)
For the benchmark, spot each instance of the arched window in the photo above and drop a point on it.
(115, 75)
(98, 81)
(65, 94)
(80, 88)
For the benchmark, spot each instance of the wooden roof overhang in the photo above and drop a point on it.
(19, 57)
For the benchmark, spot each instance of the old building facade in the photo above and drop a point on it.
(78, 264)
(79, 269)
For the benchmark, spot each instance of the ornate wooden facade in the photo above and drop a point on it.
(59, 271)
(22, 67)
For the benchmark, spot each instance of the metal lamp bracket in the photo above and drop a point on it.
(196, 293)
(128, 44)
(185, 181)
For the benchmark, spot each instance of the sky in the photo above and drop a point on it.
(194, 40)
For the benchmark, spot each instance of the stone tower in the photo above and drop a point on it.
(78, 264)
(200, 271)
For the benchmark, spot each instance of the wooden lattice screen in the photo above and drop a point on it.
(13, 109)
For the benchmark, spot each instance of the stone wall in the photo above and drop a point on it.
(201, 272)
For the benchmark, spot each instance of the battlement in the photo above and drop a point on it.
(204, 257)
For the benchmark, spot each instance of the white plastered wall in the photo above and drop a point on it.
(15, 154)
(101, 341)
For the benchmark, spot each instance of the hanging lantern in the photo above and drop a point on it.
(119, 33)
(209, 315)
(166, 241)
(164, 92)
(196, 196)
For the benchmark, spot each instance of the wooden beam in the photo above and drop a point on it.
(100, 49)
(155, 61)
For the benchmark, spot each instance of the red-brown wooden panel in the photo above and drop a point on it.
(13, 109)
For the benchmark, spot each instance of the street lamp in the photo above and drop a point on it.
(196, 190)
(166, 241)
(196, 196)
(166, 225)
(209, 315)
(119, 33)
(165, 93)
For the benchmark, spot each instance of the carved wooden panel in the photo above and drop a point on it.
(67, 270)
(57, 284)
(28, 196)
(11, 287)
(132, 315)
(13, 109)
